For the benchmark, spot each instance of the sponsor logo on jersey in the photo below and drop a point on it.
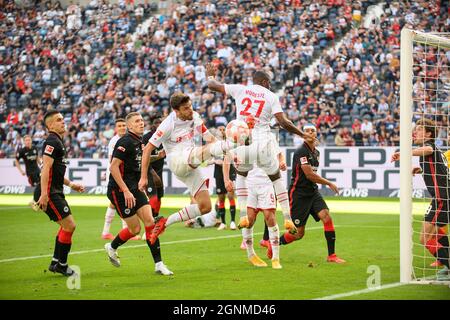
(159, 133)
(303, 160)
(120, 148)
(49, 149)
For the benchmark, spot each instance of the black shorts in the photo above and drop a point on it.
(118, 200)
(57, 206)
(302, 207)
(220, 182)
(438, 212)
(152, 190)
(34, 178)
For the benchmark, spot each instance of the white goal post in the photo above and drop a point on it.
(417, 43)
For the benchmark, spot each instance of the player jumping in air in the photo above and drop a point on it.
(263, 105)
(177, 134)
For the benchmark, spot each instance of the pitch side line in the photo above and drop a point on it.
(357, 292)
(140, 245)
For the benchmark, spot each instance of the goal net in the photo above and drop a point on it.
(424, 94)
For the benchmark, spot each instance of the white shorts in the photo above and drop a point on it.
(262, 153)
(187, 173)
(261, 197)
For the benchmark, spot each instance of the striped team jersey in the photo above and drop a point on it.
(435, 173)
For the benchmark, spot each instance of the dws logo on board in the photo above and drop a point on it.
(13, 189)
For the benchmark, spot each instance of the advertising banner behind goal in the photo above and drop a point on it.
(357, 171)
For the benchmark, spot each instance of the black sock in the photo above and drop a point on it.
(233, 213)
(222, 215)
(117, 242)
(155, 249)
(443, 253)
(56, 251)
(331, 240)
(266, 232)
(64, 249)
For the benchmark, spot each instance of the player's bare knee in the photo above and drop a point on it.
(135, 230)
(275, 176)
(70, 227)
(324, 215)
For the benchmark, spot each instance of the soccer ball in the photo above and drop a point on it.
(237, 131)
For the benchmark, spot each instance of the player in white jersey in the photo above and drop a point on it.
(121, 130)
(178, 134)
(261, 197)
(263, 105)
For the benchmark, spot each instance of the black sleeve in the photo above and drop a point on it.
(121, 150)
(19, 154)
(51, 148)
(302, 156)
(146, 138)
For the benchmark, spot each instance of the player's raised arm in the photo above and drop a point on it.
(213, 84)
(287, 124)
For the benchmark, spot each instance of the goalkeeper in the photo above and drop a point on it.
(433, 166)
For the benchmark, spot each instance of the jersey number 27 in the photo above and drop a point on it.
(247, 102)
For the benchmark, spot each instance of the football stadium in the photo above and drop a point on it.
(224, 150)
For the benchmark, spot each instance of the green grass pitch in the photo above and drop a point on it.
(208, 264)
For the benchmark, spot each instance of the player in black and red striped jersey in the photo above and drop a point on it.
(434, 168)
(49, 193)
(304, 196)
(30, 156)
(131, 203)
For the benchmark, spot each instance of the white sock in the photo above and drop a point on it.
(218, 148)
(187, 213)
(109, 216)
(282, 197)
(241, 194)
(247, 235)
(274, 236)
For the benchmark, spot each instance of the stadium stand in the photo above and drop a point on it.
(99, 62)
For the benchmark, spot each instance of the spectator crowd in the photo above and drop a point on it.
(104, 60)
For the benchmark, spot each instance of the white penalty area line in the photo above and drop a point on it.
(358, 292)
(139, 246)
